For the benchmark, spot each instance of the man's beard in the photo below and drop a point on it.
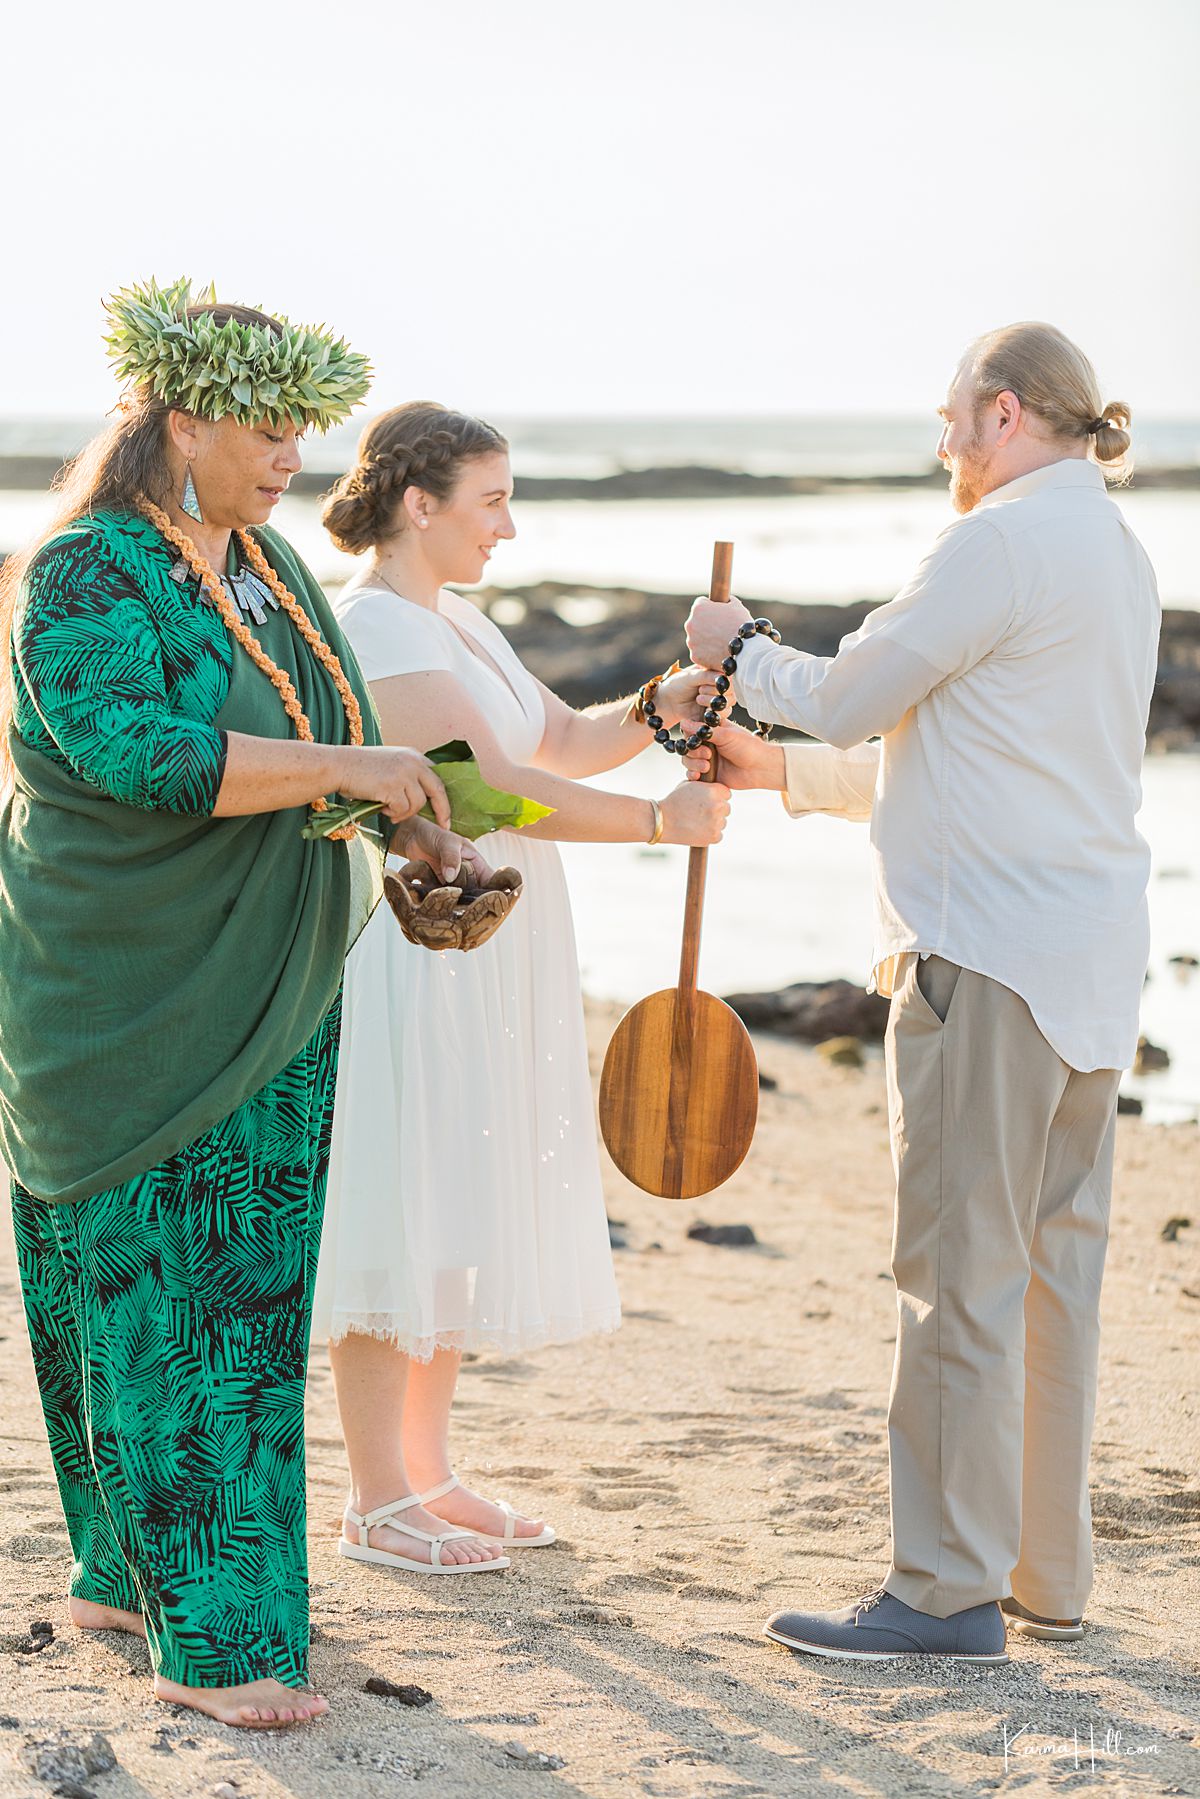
(968, 480)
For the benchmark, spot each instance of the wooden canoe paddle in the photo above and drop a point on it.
(679, 1091)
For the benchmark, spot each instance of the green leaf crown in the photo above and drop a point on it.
(304, 376)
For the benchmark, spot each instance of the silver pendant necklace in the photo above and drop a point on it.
(249, 594)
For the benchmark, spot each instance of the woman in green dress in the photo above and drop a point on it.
(171, 950)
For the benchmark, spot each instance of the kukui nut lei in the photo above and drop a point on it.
(680, 746)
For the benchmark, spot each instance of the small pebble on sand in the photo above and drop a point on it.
(532, 1758)
(388, 1689)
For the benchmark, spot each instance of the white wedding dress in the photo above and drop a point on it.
(464, 1207)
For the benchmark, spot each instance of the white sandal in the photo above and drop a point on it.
(390, 1514)
(510, 1538)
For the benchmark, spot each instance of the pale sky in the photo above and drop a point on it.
(645, 206)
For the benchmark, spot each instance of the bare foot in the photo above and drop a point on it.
(259, 1705)
(470, 1511)
(457, 1553)
(86, 1615)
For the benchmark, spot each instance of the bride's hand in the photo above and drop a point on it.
(681, 699)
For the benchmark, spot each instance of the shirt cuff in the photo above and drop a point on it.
(810, 778)
(819, 778)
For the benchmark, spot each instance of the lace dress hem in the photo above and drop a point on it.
(473, 1339)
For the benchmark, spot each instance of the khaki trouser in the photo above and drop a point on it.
(1003, 1159)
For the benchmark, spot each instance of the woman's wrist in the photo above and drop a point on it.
(342, 765)
(666, 710)
(655, 697)
(656, 822)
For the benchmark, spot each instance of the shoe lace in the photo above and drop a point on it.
(871, 1599)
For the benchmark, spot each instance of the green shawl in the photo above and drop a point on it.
(157, 969)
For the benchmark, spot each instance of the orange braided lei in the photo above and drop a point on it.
(241, 632)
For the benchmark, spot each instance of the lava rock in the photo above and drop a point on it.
(724, 1236)
(767, 1083)
(1128, 1107)
(1171, 1229)
(842, 1052)
(1184, 961)
(814, 1011)
(388, 1689)
(65, 1765)
(1150, 1057)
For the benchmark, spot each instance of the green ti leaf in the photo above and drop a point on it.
(476, 808)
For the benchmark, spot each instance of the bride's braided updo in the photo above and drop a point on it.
(419, 444)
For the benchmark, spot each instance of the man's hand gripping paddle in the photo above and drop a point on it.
(679, 1091)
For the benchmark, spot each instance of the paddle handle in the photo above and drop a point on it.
(693, 905)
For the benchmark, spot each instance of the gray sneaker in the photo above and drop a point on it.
(1028, 1624)
(881, 1627)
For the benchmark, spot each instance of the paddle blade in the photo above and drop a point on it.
(679, 1094)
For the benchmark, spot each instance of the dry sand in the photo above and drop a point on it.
(722, 1456)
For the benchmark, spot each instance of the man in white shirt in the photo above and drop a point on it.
(1009, 685)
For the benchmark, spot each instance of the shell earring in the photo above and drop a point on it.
(190, 504)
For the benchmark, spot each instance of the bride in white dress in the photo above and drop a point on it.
(464, 1208)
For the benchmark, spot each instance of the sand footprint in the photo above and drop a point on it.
(517, 1471)
(638, 1583)
(30, 1547)
(624, 1499)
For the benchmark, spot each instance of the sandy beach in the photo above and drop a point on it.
(723, 1455)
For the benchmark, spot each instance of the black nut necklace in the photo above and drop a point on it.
(679, 746)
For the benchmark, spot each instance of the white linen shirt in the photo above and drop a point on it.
(1010, 682)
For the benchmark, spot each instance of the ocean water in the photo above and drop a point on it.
(831, 548)
(847, 444)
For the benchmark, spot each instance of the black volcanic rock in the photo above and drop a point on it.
(814, 1011)
(637, 635)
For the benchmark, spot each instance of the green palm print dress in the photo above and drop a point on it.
(169, 1000)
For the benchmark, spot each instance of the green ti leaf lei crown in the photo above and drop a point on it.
(245, 372)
